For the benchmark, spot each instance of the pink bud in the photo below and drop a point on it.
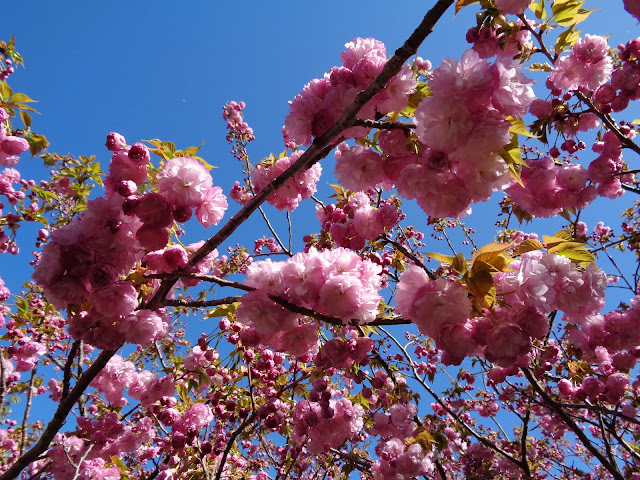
(115, 142)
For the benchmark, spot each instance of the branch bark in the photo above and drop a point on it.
(320, 147)
(59, 417)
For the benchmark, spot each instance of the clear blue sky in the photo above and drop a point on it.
(160, 69)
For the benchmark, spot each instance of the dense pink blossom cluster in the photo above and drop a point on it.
(72, 456)
(550, 188)
(11, 146)
(588, 65)
(538, 284)
(357, 220)
(339, 353)
(300, 187)
(606, 169)
(87, 259)
(441, 309)
(326, 423)
(399, 462)
(464, 126)
(489, 41)
(332, 282)
(322, 101)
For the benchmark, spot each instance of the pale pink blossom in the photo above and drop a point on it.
(514, 7)
(184, 181)
(212, 208)
(358, 168)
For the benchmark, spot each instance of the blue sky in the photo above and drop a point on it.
(160, 69)
(152, 69)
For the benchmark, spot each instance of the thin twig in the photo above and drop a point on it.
(59, 417)
(566, 418)
(27, 409)
(320, 147)
(67, 374)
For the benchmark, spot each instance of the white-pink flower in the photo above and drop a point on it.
(184, 181)
(212, 208)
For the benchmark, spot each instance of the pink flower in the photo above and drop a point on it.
(122, 168)
(633, 7)
(505, 343)
(213, 206)
(358, 168)
(443, 122)
(12, 145)
(259, 311)
(302, 110)
(145, 327)
(120, 298)
(184, 181)
(512, 92)
(360, 48)
(197, 416)
(396, 93)
(299, 341)
(514, 7)
(298, 188)
(115, 142)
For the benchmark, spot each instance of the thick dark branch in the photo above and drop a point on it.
(359, 122)
(523, 443)
(286, 304)
(550, 403)
(184, 302)
(66, 379)
(610, 123)
(59, 417)
(320, 147)
(27, 409)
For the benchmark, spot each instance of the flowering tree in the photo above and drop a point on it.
(370, 351)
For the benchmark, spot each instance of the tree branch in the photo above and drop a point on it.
(320, 147)
(613, 470)
(59, 417)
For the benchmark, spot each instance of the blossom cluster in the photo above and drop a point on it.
(355, 221)
(334, 282)
(588, 65)
(537, 285)
(463, 126)
(88, 259)
(300, 187)
(322, 101)
(11, 146)
(548, 188)
(326, 423)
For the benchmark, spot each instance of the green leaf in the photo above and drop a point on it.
(518, 126)
(26, 119)
(422, 91)
(464, 3)
(20, 98)
(567, 39)
(459, 264)
(5, 90)
(489, 251)
(580, 256)
(446, 259)
(538, 9)
(540, 67)
(528, 245)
